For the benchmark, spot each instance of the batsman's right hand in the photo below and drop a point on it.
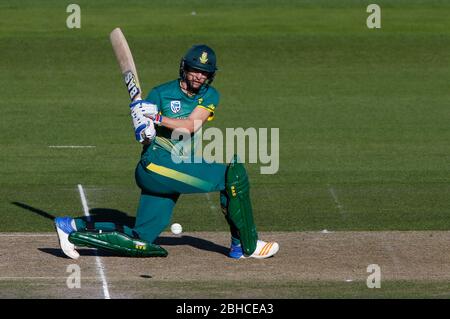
(149, 132)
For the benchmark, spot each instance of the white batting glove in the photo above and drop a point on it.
(150, 132)
(144, 128)
(142, 107)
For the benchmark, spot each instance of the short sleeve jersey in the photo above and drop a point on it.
(174, 103)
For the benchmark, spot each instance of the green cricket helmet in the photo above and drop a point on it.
(199, 57)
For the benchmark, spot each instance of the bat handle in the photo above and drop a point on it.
(133, 86)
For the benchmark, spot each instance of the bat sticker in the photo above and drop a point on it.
(130, 82)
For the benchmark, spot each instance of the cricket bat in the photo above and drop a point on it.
(126, 64)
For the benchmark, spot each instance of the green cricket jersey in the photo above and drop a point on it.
(174, 103)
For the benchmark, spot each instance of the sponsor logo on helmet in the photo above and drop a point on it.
(204, 58)
(175, 106)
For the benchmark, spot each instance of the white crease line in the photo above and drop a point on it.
(71, 146)
(98, 261)
(336, 201)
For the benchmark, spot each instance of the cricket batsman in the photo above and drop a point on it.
(170, 107)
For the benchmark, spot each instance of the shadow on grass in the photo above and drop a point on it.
(37, 211)
(97, 214)
(111, 215)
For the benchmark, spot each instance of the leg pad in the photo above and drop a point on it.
(239, 209)
(117, 242)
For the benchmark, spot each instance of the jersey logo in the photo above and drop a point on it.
(200, 100)
(175, 106)
(204, 58)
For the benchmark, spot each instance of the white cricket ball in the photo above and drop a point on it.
(176, 228)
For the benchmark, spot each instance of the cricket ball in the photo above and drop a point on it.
(176, 228)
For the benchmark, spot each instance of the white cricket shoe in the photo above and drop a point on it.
(64, 227)
(263, 250)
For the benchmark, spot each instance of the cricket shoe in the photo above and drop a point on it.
(64, 227)
(263, 250)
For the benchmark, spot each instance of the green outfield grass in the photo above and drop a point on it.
(363, 114)
(45, 288)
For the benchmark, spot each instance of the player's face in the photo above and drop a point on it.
(196, 78)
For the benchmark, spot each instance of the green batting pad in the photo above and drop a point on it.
(117, 242)
(240, 207)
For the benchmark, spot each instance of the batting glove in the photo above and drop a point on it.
(142, 107)
(149, 132)
(143, 128)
